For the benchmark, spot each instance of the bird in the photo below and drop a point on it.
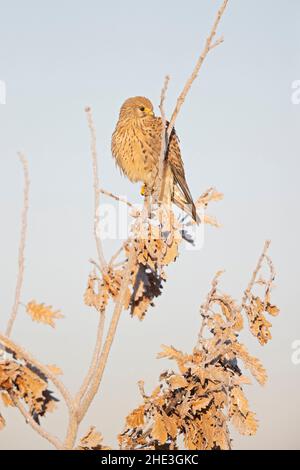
(136, 148)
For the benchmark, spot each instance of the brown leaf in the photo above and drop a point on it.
(252, 363)
(202, 403)
(239, 400)
(171, 353)
(6, 399)
(27, 384)
(136, 418)
(272, 310)
(246, 426)
(171, 425)
(171, 254)
(54, 369)
(43, 313)
(92, 441)
(208, 219)
(177, 381)
(159, 432)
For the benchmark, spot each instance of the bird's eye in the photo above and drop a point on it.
(142, 108)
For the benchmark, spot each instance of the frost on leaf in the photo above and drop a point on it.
(54, 369)
(258, 305)
(24, 382)
(199, 402)
(99, 291)
(155, 239)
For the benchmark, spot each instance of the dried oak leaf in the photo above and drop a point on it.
(171, 424)
(7, 401)
(25, 384)
(98, 300)
(250, 362)
(171, 353)
(136, 417)
(146, 286)
(92, 441)
(54, 369)
(177, 381)
(201, 403)
(159, 431)
(272, 310)
(246, 425)
(43, 313)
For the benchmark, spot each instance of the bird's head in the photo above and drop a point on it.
(137, 107)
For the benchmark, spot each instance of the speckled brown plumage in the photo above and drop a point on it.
(136, 146)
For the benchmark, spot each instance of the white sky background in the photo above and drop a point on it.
(239, 132)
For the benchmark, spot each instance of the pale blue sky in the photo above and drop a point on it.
(239, 132)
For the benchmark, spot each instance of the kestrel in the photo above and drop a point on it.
(136, 146)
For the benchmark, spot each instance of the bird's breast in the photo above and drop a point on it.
(132, 150)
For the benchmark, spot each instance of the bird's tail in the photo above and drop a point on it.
(182, 196)
(187, 206)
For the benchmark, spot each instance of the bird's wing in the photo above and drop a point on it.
(175, 161)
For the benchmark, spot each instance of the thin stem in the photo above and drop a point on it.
(86, 383)
(164, 143)
(116, 255)
(74, 418)
(109, 338)
(115, 197)
(99, 247)
(21, 260)
(209, 45)
(36, 427)
(204, 309)
(255, 272)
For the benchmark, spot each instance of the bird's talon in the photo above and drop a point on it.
(143, 190)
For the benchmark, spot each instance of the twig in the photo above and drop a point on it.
(92, 129)
(255, 273)
(109, 338)
(164, 143)
(92, 369)
(116, 255)
(209, 45)
(41, 431)
(95, 264)
(113, 196)
(74, 420)
(22, 245)
(141, 385)
(120, 263)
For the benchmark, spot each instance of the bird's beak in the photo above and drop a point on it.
(149, 111)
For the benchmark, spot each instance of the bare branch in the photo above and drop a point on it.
(217, 43)
(164, 143)
(117, 198)
(22, 245)
(109, 338)
(86, 383)
(36, 427)
(92, 129)
(209, 45)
